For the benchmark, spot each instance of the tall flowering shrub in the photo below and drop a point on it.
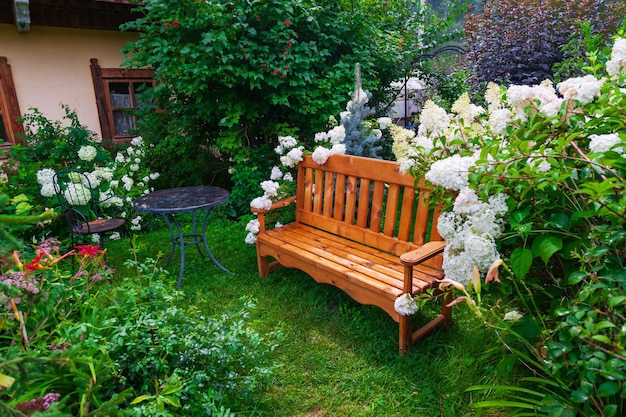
(544, 166)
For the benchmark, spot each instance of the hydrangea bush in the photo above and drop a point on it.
(538, 178)
(115, 183)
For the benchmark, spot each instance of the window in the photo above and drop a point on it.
(10, 128)
(117, 95)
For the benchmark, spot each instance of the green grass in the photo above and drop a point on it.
(338, 358)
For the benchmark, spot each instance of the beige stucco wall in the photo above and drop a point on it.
(50, 66)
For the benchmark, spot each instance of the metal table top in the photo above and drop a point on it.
(181, 199)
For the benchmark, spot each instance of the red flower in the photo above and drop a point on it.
(167, 25)
(276, 71)
(286, 52)
(35, 264)
(258, 17)
(88, 250)
(175, 23)
(282, 75)
(286, 22)
(289, 44)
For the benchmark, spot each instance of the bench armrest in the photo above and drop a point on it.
(423, 253)
(276, 204)
(260, 213)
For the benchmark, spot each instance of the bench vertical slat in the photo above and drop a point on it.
(350, 200)
(421, 218)
(377, 206)
(340, 197)
(318, 191)
(329, 188)
(364, 196)
(406, 217)
(304, 196)
(391, 210)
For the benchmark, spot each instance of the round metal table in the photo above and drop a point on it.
(170, 202)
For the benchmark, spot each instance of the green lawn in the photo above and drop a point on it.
(338, 358)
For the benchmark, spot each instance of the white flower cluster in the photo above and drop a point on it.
(470, 232)
(606, 142)
(105, 181)
(405, 305)
(87, 153)
(617, 63)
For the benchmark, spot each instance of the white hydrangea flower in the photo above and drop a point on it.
(45, 176)
(154, 175)
(481, 249)
(276, 174)
(405, 305)
(288, 177)
(119, 158)
(250, 238)
(321, 137)
(384, 122)
(253, 226)
(293, 157)
(433, 119)
(287, 142)
(499, 119)
(77, 194)
(584, 89)
(321, 154)
(114, 236)
(465, 109)
(270, 188)
(617, 63)
(137, 141)
(87, 153)
(457, 266)
(261, 203)
(48, 190)
(337, 134)
(451, 173)
(467, 202)
(606, 142)
(338, 149)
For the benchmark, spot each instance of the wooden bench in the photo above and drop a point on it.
(365, 228)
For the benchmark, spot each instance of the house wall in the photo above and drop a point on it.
(50, 66)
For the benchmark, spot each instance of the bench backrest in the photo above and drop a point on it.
(366, 200)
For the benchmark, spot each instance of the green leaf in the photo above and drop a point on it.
(575, 277)
(521, 260)
(545, 246)
(610, 410)
(601, 338)
(608, 388)
(603, 325)
(142, 398)
(559, 221)
(616, 300)
(579, 396)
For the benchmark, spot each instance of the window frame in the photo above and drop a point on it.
(102, 78)
(9, 107)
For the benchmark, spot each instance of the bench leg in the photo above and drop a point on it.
(263, 265)
(406, 332)
(446, 312)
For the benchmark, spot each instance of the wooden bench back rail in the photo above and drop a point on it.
(365, 228)
(368, 201)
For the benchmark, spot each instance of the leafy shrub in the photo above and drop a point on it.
(82, 348)
(232, 74)
(117, 175)
(559, 160)
(519, 42)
